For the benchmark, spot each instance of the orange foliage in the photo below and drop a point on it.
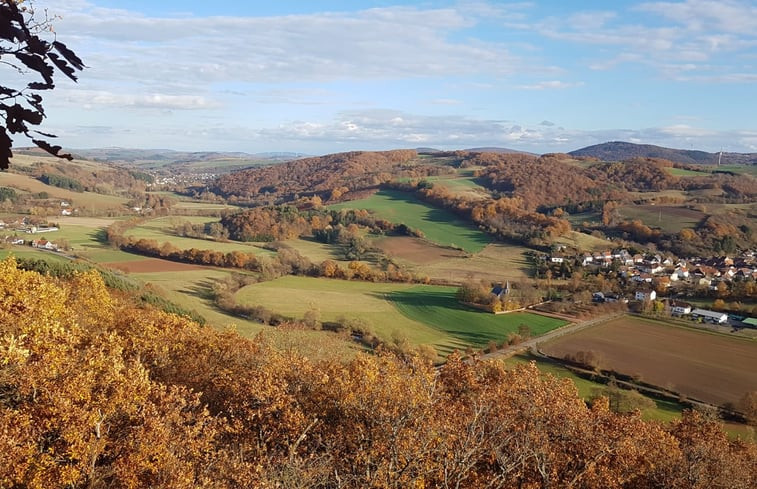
(128, 397)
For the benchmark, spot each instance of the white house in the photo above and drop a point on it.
(678, 308)
(645, 295)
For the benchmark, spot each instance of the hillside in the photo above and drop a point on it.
(170, 161)
(621, 151)
(328, 176)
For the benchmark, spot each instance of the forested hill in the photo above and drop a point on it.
(621, 151)
(328, 176)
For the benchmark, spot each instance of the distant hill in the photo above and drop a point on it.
(494, 149)
(620, 151)
(170, 161)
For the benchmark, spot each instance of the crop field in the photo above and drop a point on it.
(438, 307)
(414, 251)
(160, 230)
(496, 262)
(711, 367)
(293, 296)
(438, 225)
(669, 218)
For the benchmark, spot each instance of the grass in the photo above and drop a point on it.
(29, 252)
(438, 307)
(740, 169)
(191, 290)
(293, 296)
(159, 229)
(670, 219)
(438, 225)
(496, 262)
(681, 172)
(87, 200)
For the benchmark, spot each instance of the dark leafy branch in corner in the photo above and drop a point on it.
(22, 49)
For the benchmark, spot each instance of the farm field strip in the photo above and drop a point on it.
(713, 368)
(438, 225)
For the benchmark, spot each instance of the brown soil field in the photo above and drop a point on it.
(152, 265)
(415, 251)
(709, 367)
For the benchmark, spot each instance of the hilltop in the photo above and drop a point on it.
(621, 150)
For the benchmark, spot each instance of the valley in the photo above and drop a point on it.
(382, 263)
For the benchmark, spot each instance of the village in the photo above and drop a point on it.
(665, 284)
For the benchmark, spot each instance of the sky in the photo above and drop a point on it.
(319, 77)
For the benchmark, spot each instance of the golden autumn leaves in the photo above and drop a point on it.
(95, 392)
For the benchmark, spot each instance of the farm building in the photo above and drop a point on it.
(710, 316)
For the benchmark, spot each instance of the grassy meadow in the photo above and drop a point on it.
(437, 307)
(438, 225)
(159, 229)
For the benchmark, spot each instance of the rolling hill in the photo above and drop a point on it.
(621, 151)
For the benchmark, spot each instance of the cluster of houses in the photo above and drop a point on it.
(22, 225)
(665, 271)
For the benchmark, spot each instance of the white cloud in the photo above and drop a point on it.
(101, 98)
(392, 42)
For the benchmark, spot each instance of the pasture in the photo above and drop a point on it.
(160, 230)
(496, 262)
(190, 287)
(437, 307)
(334, 299)
(670, 219)
(712, 367)
(438, 225)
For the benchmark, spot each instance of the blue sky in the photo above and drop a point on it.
(325, 76)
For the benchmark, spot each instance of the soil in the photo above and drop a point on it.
(713, 368)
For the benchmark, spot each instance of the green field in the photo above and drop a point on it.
(159, 229)
(740, 169)
(681, 172)
(438, 225)
(368, 301)
(191, 290)
(438, 307)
